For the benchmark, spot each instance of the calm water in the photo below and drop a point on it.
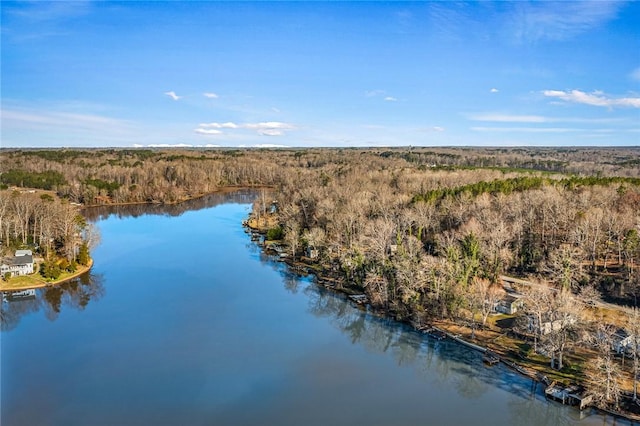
(183, 321)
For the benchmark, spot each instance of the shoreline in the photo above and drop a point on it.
(221, 190)
(447, 329)
(41, 283)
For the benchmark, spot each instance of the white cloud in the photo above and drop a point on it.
(210, 95)
(174, 145)
(494, 90)
(267, 128)
(208, 131)
(227, 125)
(390, 99)
(268, 145)
(173, 95)
(596, 98)
(169, 145)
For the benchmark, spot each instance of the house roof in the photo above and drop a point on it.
(23, 252)
(22, 260)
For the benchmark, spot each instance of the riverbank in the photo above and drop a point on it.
(221, 190)
(497, 339)
(28, 282)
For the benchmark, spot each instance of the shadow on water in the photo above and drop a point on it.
(73, 294)
(243, 196)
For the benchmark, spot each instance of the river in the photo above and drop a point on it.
(184, 321)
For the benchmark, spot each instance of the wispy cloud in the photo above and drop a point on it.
(514, 118)
(533, 21)
(374, 93)
(494, 90)
(507, 118)
(266, 128)
(596, 98)
(434, 129)
(210, 95)
(27, 126)
(63, 119)
(380, 94)
(173, 95)
(526, 129)
(40, 19)
(635, 74)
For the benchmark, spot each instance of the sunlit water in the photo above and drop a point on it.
(183, 321)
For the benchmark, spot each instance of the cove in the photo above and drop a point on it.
(183, 320)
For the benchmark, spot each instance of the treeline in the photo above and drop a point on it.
(139, 176)
(522, 183)
(41, 180)
(99, 176)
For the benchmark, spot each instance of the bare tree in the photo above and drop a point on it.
(633, 330)
(537, 306)
(563, 328)
(484, 296)
(604, 373)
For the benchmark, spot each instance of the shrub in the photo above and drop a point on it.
(275, 233)
(50, 270)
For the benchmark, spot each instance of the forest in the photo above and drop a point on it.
(425, 233)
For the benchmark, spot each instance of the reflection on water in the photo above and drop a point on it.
(73, 294)
(444, 363)
(245, 196)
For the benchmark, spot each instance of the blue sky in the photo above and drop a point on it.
(84, 74)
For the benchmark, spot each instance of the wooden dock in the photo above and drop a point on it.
(360, 299)
(573, 395)
(490, 358)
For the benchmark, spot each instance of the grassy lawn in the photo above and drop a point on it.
(36, 280)
(520, 352)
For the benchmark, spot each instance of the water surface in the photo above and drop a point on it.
(183, 320)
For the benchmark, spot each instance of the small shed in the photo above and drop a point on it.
(509, 305)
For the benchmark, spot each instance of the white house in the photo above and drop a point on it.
(20, 264)
(623, 342)
(550, 324)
